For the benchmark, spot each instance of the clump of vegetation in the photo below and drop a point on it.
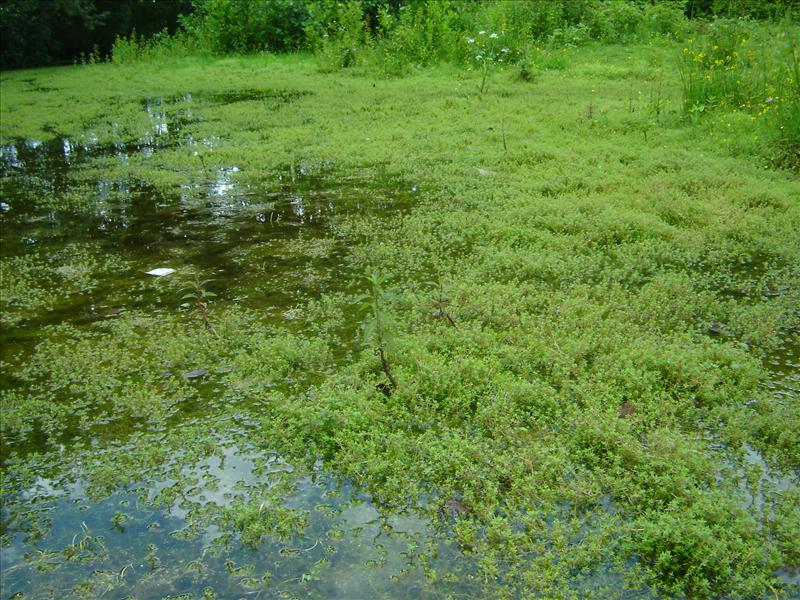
(268, 518)
(704, 549)
(246, 26)
(732, 66)
(160, 47)
(338, 34)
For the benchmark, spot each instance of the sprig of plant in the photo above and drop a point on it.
(489, 51)
(199, 297)
(152, 557)
(441, 302)
(379, 327)
(118, 520)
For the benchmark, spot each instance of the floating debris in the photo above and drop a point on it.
(194, 374)
(160, 272)
(456, 507)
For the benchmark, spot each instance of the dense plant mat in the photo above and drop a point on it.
(544, 329)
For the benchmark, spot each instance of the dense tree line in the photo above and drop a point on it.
(42, 32)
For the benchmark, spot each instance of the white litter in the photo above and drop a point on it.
(160, 272)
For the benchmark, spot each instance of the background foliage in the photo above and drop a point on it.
(43, 32)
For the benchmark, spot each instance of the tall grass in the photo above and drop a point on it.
(735, 65)
(397, 38)
(158, 48)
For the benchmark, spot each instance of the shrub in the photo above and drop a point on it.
(753, 9)
(617, 21)
(536, 20)
(425, 33)
(665, 18)
(571, 35)
(338, 34)
(247, 25)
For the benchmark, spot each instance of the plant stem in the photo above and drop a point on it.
(386, 368)
(485, 74)
(380, 338)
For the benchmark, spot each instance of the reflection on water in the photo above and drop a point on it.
(130, 545)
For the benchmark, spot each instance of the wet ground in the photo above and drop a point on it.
(224, 516)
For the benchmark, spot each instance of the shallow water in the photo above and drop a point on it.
(268, 245)
(233, 235)
(129, 546)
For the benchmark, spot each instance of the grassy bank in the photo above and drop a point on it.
(568, 336)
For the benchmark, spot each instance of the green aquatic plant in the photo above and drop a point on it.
(379, 328)
(119, 519)
(152, 556)
(199, 298)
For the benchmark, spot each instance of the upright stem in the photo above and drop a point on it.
(381, 343)
(485, 73)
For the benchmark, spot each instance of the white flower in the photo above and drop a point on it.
(493, 36)
(470, 40)
(503, 49)
(481, 32)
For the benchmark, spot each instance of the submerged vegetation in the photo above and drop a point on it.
(572, 368)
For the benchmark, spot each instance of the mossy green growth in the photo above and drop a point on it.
(583, 301)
